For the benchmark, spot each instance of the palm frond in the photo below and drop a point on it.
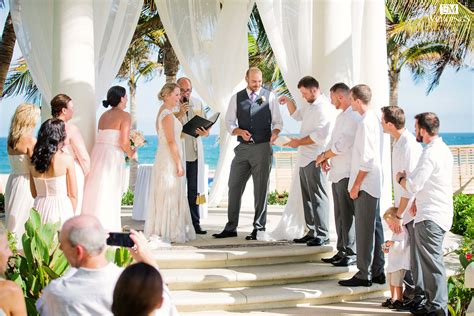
(20, 82)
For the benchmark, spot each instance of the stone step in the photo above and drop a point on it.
(250, 255)
(273, 296)
(251, 276)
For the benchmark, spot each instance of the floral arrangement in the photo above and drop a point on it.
(137, 139)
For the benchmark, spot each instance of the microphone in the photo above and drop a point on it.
(185, 100)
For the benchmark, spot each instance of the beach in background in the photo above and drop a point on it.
(146, 154)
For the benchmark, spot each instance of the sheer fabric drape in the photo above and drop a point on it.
(333, 41)
(211, 45)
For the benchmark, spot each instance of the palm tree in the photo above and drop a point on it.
(138, 63)
(261, 54)
(19, 81)
(426, 42)
(7, 45)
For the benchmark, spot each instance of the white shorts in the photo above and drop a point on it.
(395, 278)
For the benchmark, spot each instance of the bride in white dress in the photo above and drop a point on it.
(168, 216)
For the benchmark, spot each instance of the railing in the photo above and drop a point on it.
(463, 169)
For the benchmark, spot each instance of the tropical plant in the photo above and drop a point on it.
(463, 219)
(277, 198)
(425, 41)
(7, 45)
(120, 256)
(261, 55)
(127, 198)
(40, 262)
(20, 81)
(459, 297)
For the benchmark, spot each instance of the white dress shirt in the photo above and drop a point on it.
(431, 182)
(405, 155)
(399, 254)
(367, 154)
(342, 140)
(231, 121)
(88, 292)
(317, 121)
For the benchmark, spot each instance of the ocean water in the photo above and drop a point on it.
(146, 154)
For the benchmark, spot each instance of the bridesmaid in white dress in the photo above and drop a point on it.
(104, 183)
(62, 108)
(20, 144)
(168, 214)
(53, 175)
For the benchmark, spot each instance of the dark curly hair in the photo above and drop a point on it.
(114, 95)
(51, 135)
(139, 291)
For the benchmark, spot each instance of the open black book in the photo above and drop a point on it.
(198, 121)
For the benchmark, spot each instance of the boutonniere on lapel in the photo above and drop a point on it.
(261, 100)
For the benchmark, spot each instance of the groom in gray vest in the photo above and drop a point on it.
(254, 116)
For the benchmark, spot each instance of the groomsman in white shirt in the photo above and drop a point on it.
(337, 160)
(405, 155)
(317, 120)
(430, 182)
(365, 188)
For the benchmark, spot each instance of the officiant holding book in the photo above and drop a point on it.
(254, 117)
(194, 152)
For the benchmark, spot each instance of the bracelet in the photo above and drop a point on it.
(400, 180)
(398, 217)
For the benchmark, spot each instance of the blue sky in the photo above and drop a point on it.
(452, 100)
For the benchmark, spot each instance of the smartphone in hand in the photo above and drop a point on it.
(120, 240)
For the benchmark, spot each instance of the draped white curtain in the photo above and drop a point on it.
(75, 47)
(333, 41)
(211, 45)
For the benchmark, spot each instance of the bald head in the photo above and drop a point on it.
(253, 76)
(84, 230)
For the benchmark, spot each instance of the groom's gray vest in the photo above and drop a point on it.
(254, 117)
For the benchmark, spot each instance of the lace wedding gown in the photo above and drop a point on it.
(168, 214)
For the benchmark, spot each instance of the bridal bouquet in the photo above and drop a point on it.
(137, 139)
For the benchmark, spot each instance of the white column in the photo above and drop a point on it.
(331, 43)
(73, 67)
(371, 68)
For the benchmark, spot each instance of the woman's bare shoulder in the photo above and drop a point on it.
(10, 289)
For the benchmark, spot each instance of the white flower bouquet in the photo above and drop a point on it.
(137, 139)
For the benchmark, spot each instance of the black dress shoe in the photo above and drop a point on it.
(380, 279)
(225, 234)
(317, 242)
(199, 230)
(420, 310)
(334, 258)
(396, 305)
(345, 262)
(303, 240)
(352, 282)
(387, 302)
(252, 236)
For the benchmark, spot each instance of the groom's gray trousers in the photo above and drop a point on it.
(250, 160)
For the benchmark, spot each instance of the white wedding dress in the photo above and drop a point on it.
(292, 223)
(168, 217)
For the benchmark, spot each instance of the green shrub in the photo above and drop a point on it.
(277, 198)
(41, 261)
(459, 297)
(463, 219)
(127, 198)
(120, 256)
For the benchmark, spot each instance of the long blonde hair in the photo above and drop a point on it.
(23, 122)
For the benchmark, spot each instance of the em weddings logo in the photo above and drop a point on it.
(448, 8)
